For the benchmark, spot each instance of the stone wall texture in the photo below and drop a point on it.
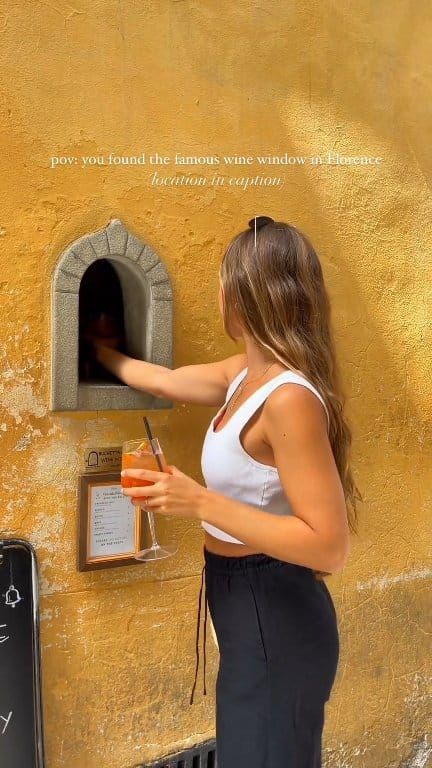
(86, 79)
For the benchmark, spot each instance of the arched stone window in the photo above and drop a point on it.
(125, 279)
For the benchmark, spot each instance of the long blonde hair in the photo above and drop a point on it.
(276, 290)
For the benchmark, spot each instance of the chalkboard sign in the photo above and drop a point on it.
(21, 737)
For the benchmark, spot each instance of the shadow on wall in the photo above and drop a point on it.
(390, 72)
(386, 74)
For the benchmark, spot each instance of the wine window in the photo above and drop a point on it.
(101, 314)
(112, 285)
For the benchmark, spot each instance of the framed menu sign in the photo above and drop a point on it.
(109, 524)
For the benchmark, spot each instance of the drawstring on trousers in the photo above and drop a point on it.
(197, 635)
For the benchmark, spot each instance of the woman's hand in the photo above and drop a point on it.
(172, 492)
(99, 342)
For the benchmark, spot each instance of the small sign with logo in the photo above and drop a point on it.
(103, 459)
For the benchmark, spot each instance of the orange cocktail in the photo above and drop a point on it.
(141, 458)
(138, 454)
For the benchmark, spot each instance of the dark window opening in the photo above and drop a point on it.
(101, 314)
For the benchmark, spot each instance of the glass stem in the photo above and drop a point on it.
(150, 516)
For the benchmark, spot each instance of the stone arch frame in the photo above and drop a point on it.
(147, 300)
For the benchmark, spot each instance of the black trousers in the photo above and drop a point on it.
(277, 632)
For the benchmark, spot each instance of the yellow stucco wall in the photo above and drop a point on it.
(202, 78)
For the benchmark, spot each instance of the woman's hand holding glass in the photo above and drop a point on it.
(171, 493)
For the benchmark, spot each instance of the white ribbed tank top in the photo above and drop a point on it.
(230, 470)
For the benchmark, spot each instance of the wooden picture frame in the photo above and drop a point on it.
(110, 528)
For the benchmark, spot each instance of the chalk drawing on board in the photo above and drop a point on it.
(6, 721)
(12, 596)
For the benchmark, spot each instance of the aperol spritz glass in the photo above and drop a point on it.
(144, 454)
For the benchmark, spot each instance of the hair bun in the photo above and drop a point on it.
(261, 221)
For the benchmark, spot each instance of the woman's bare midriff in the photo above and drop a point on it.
(227, 548)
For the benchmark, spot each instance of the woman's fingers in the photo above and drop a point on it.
(145, 474)
(140, 491)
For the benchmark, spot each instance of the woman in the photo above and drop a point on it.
(275, 505)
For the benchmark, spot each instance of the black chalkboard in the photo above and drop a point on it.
(21, 738)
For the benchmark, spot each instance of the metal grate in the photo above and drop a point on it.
(199, 756)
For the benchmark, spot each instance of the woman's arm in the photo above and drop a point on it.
(137, 374)
(317, 534)
(201, 384)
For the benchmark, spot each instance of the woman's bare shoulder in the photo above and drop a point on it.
(234, 365)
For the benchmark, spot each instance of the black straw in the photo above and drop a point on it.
(150, 437)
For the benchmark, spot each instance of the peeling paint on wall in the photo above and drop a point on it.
(19, 399)
(56, 466)
(381, 582)
(420, 755)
